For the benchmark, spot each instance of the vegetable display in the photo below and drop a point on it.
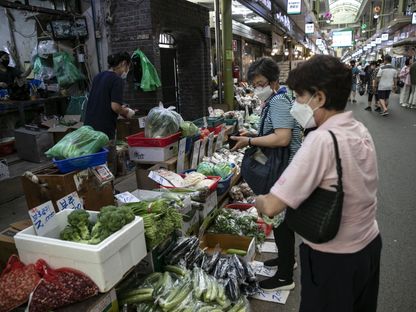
(83, 141)
(221, 169)
(162, 122)
(109, 220)
(160, 217)
(242, 194)
(189, 129)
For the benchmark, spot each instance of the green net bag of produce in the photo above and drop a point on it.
(162, 122)
(65, 70)
(83, 141)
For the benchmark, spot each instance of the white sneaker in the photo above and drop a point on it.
(404, 105)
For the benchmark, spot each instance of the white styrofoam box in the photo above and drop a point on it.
(209, 205)
(186, 225)
(105, 263)
(153, 154)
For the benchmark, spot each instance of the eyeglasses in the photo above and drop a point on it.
(260, 84)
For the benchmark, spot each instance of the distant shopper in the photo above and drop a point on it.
(371, 89)
(355, 72)
(407, 87)
(342, 274)
(105, 101)
(387, 82)
(412, 100)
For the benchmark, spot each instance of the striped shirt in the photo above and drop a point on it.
(279, 117)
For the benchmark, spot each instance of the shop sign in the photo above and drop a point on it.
(266, 3)
(284, 21)
(70, 201)
(318, 42)
(294, 6)
(414, 18)
(396, 38)
(403, 35)
(43, 218)
(309, 28)
(180, 165)
(234, 45)
(378, 40)
(373, 43)
(384, 37)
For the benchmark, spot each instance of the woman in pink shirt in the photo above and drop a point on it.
(342, 274)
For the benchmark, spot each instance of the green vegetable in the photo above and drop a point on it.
(176, 269)
(135, 292)
(137, 299)
(239, 252)
(162, 122)
(176, 296)
(70, 233)
(205, 168)
(189, 129)
(222, 169)
(83, 141)
(79, 219)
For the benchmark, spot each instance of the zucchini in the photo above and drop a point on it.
(214, 292)
(239, 252)
(176, 297)
(139, 291)
(176, 269)
(137, 299)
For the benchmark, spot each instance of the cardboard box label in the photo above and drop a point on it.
(202, 149)
(181, 155)
(142, 122)
(195, 155)
(43, 218)
(126, 197)
(71, 201)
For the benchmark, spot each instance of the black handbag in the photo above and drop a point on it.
(400, 84)
(261, 177)
(318, 218)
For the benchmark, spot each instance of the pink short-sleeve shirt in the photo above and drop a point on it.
(314, 165)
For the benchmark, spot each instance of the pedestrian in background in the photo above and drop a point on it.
(386, 82)
(355, 72)
(372, 91)
(343, 273)
(412, 100)
(280, 129)
(407, 86)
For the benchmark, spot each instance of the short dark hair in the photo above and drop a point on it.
(115, 59)
(264, 66)
(387, 58)
(373, 63)
(352, 62)
(407, 62)
(323, 73)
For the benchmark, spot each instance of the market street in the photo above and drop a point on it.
(394, 138)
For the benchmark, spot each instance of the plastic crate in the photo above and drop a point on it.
(216, 129)
(139, 140)
(267, 228)
(230, 122)
(212, 122)
(224, 184)
(82, 162)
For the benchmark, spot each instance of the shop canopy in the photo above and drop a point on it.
(344, 11)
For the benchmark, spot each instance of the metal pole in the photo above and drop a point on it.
(218, 48)
(227, 37)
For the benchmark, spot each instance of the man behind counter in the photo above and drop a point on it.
(8, 74)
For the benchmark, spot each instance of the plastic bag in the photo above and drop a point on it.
(150, 80)
(162, 122)
(59, 287)
(83, 141)
(65, 70)
(41, 69)
(17, 281)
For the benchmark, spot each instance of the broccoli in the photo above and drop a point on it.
(70, 233)
(78, 219)
(127, 213)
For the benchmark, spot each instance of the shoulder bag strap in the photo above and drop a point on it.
(338, 161)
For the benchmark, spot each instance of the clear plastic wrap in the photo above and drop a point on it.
(162, 122)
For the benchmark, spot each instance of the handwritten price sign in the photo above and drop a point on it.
(43, 218)
(70, 201)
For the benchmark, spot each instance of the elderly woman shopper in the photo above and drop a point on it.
(343, 273)
(279, 130)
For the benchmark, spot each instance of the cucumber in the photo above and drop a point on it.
(175, 299)
(137, 299)
(139, 291)
(176, 269)
(238, 252)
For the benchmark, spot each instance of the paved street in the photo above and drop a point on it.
(395, 141)
(394, 137)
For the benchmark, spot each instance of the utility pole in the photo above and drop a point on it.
(218, 48)
(227, 49)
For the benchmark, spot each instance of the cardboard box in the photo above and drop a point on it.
(209, 205)
(190, 226)
(228, 241)
(105, 263)
(7, 245)
(21, 225)
(143, 170)
(102, 303)
(129, 126)
(32, 143)
(153, 154)
(53, 186)
(59, 130)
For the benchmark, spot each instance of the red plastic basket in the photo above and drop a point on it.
(139, 140)
(212, 188)
(267, 228)
(216, 129)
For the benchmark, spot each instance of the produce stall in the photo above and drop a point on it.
(184, 240)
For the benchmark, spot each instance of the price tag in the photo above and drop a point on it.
(195, 155)
(43, 218)
(220, 139)
(181, 156)
(126, 198)
(205, 122)
(240, 122)
(71, 201)
(142, 122)
(211, 111)
(202, 149)
(210, 144)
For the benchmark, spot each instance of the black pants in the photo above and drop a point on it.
(340, 282)
(370, 96)
(285, 242)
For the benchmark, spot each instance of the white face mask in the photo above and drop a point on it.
(263, 93)
(124, 75)
(303, 114)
